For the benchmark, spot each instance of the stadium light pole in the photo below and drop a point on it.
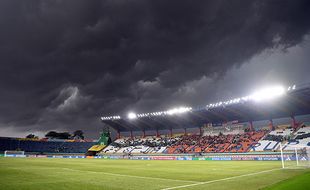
(118, 134)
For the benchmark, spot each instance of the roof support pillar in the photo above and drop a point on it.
(143, 133)
(251, 125)
(131, 135)
(118, 135)
(271, 127)
(200, 131)
(185, 131)
(157, 133)
(170, 132)
(294, 123)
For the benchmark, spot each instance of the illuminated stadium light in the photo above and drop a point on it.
(260, 95)
(116, 117)
(178, 110)
(264, 94)
(168, 112)
(132, 115)
(268, 93)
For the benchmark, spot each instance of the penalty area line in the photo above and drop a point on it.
(218, 180)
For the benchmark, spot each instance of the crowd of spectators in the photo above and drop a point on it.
(215, 143)
(194, 143)
(150, 142)
(277, 138)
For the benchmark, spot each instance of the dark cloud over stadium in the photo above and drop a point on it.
(66, 63)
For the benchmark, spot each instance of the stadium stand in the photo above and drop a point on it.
(139, 145)
(300, 137)
(216, 143)
(44, 145)
(273, 139)
(285, 136)
(191, 143)
(216, 140)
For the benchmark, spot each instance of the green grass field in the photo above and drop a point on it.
(44, 173)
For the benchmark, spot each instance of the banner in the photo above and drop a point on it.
(221, 158)
(258, 157)
(163, 157)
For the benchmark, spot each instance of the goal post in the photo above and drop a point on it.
(295, 156)
(14, 153)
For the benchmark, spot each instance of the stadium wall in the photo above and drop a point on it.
(231, 157)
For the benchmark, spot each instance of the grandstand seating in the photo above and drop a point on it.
(284, 136)
(185, 144)
(301, 137)
(139, 145)
(272, 140)
(226, 140)
(216, 143)
(45, 146)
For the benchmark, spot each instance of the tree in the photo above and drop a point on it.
(52, 134)
(79, 134)
(32, 136)
(56, 135)
(64, 135)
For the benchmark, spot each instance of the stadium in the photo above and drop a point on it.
(154, 95)
(259, 141)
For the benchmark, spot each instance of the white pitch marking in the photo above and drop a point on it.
(217, 180)
(133, 176)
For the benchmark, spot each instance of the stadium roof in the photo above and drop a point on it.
(294, 102)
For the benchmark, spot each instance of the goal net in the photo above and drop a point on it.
(13, 153)
(295, 156)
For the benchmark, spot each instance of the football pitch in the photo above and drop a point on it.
(58, 174)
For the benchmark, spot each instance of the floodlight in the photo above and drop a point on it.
(268, 93)
(132, 115)
(178, 110)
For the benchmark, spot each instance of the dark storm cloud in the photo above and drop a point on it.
(64, 63)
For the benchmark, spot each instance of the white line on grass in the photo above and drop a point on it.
(217, 180)
(133, 176)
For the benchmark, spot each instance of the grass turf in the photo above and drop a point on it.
(300, 182)
(50, 174)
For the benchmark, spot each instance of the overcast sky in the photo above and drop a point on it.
(65, 63)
